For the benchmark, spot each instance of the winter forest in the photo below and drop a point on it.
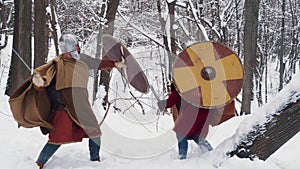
(264, 34)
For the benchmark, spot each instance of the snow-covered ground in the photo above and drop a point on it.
(134, 141)
(20, 147)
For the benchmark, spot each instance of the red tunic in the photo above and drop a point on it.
(191, 121)
(65, 130)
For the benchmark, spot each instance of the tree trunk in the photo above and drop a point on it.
(216, 22)
(162, 25)
(265, 139)
(291, 69)
(98, 51)
(53, 23)
(4, 12)
(250, 44)
(265, 37)
(19, 70)
(40, 33)
(110, 16)
(281, 49)
(96, 72)
(238, 30)
(170, 45)
(172, 54)
(165, 42)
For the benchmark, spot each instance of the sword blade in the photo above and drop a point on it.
(154, 93)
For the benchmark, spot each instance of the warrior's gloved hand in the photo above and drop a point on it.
(162, 104)
(120, 65)
(37, 80)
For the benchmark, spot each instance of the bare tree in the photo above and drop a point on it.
(250, 44)
(98, 51)
(4, 15)
(173, 52)
(40, 32)
(223, 22)
(53, 22)
(238, 25)
(292, 55)
(21, 55)
(281, 50)
(109, 29)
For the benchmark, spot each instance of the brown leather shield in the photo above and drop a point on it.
(208, 74)
(133, 73)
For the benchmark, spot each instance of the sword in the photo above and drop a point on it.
(154, 93)
(157, 98)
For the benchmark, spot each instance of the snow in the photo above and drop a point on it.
(170, 1)
(132, 140)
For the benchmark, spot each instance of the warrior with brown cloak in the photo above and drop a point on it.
(55, 98)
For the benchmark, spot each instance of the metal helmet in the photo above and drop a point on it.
(67, 43)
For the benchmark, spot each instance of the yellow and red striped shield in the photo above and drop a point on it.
(208, 74)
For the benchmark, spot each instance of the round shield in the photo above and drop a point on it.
(208, 74)
(133, 73)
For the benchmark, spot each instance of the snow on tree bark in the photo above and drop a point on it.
(267, 138)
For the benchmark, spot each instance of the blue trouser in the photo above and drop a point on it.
(183, 145)
(203, 144)
(47, 152)
(94, 147)
(49, 149)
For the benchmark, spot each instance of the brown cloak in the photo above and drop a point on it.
(31, 108)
